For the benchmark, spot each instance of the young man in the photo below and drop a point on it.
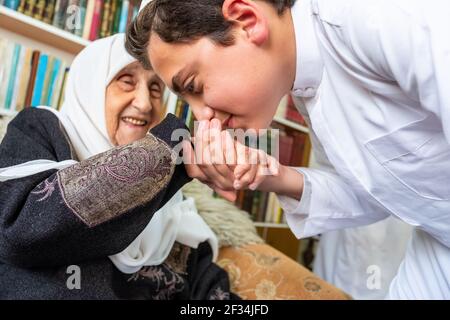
(371, 79)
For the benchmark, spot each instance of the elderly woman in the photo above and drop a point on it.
(81, 189)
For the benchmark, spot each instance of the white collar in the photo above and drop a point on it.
(309, 62)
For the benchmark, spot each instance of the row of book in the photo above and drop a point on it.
(90, 19)
(30, 77)
(287, 110)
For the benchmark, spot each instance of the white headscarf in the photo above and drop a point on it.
(143, 4)
(83, 118)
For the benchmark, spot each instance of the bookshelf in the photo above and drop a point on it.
(40, 32)
(39, 35)
(291, 124)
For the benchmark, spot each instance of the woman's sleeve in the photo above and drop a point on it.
(87, 211)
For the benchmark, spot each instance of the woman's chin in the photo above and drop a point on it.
(131, 135)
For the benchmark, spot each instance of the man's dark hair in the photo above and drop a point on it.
(183, 21)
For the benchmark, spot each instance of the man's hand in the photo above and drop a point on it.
(227, 165)
(210, 161)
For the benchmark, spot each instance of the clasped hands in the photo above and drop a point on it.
(227, 165)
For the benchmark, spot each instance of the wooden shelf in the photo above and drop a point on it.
(270, 225)
(39, 31)
(291, 124)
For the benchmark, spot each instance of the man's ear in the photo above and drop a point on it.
(248, 16)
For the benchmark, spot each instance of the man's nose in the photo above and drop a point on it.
(202, 112)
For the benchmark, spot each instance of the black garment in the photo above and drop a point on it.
(84, 213)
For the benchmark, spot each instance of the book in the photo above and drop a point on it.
(117, 15)
(32, 78)
(12, 76)
(124, 16)
(24, 78)
(61, 92)
(72, 16)
(105, 18)
(59, 16)
(53, 82)
(286, 146)
(7, 54)
(39, 81)
(79, 30)
(38, 12)
(20, 66)
(111, 17)
(58, 85)
(12, 4)
(48, 11)
(46, 81)
(292, 113)
(88, 19)
(96, 20)
(29, 7)
(22, 6)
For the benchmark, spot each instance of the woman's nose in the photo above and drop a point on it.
(142, 100)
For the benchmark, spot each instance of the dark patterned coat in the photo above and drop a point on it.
(56, 224)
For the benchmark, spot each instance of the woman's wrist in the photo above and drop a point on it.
(289, 182)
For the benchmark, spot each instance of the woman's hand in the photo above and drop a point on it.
(212, 160)
(227, 165)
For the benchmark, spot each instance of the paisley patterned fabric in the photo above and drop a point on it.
(260, 272)
(94, 189)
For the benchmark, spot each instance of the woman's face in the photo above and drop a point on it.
(133, 104)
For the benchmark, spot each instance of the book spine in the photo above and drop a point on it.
(63, 86)
(112, 13)
(22, 6)
(39, 81)
(96, 20)
(12, 4)
(124, 16)
(20, 67)
(53, 80)
(46, 81)
(88, 19)
(105, 19)
(72, 16)
(5, 71)
(117, 15)
(29, 7)
(24, 78)
(82, 7)
(12, 76)
(38, 12)
(49, 11)
(60, 13)
(30, 87)
(58, 84)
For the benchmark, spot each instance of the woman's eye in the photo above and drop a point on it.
(127, 80)
(155, 90)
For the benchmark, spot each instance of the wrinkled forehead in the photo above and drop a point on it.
(136, 69)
